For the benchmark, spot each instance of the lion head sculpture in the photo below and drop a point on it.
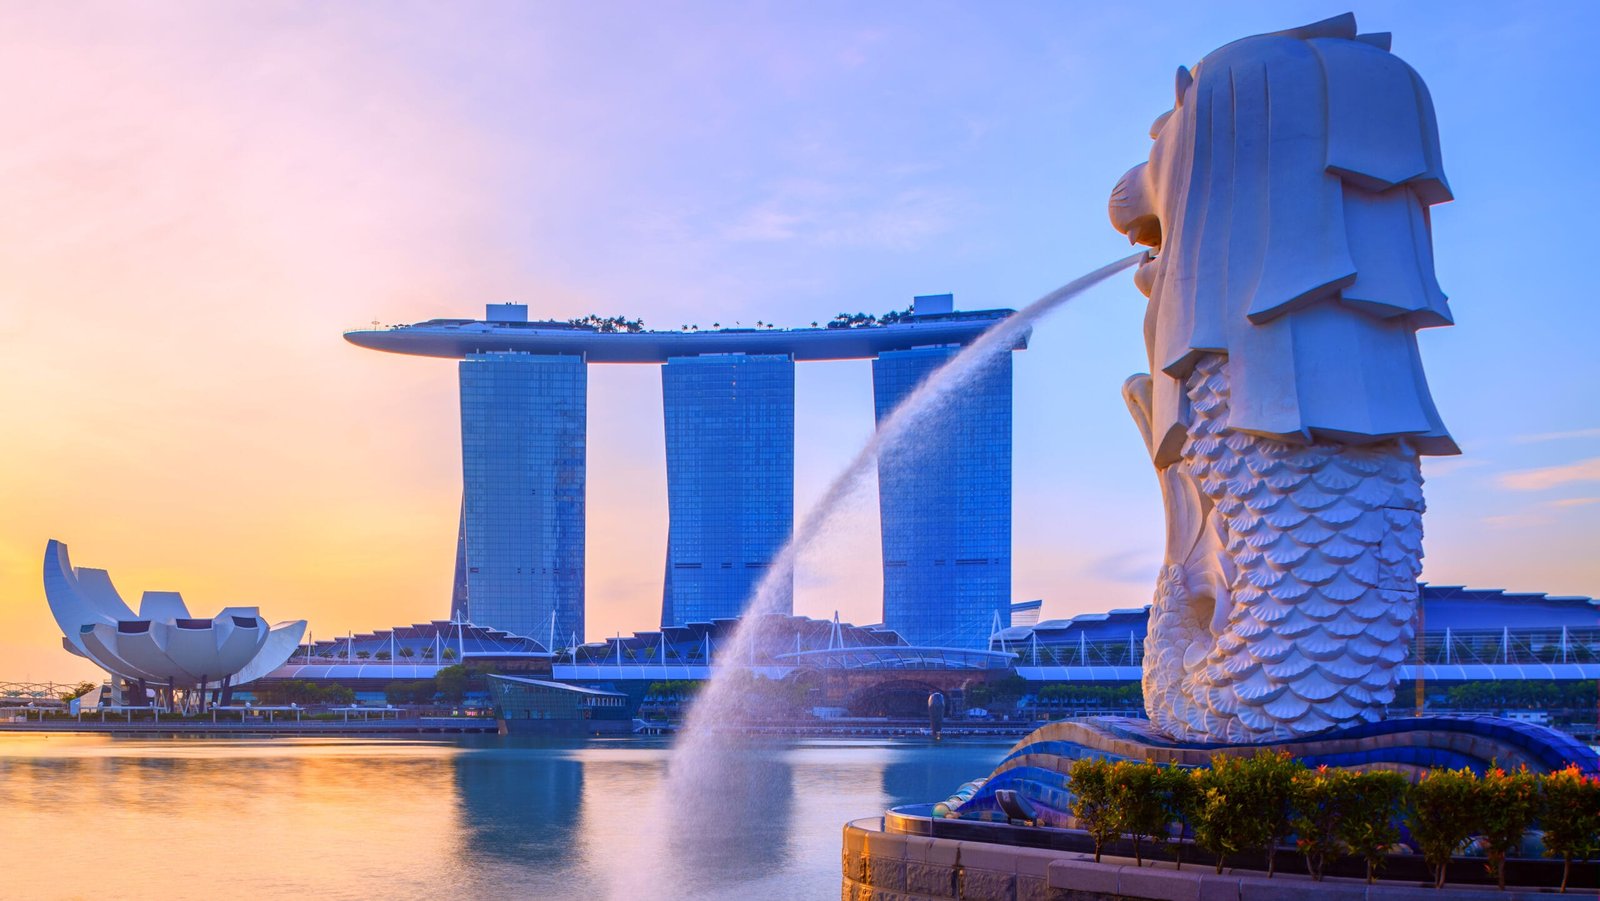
(1286, 202)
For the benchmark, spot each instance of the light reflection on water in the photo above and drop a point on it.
(479, 817)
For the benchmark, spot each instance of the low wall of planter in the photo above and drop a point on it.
(881, 865)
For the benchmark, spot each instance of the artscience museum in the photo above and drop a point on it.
(163, 648)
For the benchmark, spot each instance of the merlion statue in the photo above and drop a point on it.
(1286, 205)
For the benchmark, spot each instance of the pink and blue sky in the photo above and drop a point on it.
(198, 198)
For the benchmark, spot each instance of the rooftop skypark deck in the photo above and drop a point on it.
(512, 332)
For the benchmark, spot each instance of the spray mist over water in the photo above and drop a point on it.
(714, 776)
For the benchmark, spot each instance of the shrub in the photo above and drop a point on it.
(1092, 804)
(1221, 824)
(1179, 797)
(1509, 802)
(1140, 810)
(1571, 817)
(1445, 806)
(1322, 801)
(1270, 777)
(1371, 823)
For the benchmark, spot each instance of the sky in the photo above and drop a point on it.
(196, 199)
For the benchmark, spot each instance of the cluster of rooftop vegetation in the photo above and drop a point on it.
(609, 324)
(861, 320)
(1258, 804)
(404, 653)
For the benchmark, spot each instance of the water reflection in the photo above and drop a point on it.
(90, 816)
(520, 803)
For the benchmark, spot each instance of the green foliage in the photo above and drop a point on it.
(302, 692)
(1091, 695)
(610, 324)
(1137, 792)
(859, 320)
(451, 683)
(684, 689)
(1445, 808)
(1523, 694)
(1570, 817)
(1002, 692)
(1509, 802)
(1179, 795)
(421, 691)
(78, 691)
(1371, 823)
(1244, 804)
(1322, 801)
(1092, 801)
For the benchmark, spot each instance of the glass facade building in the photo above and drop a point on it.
(523, 422)
(730, 480)
(945, 502)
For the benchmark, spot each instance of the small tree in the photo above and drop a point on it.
(78, 691)
(1510, 801)
(1444, 809)
(1371, 824)
(1092, 804)
(1571, 817)
(451, 682)
(407, 653)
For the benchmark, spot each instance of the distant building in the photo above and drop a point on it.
(523, 433)
(1026, 613)
(729, 412)
(1467, 634)
(730, 480)
(538, 707)
(945, 500)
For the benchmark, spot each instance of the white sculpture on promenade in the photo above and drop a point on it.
(161, 647)
(1286, 201)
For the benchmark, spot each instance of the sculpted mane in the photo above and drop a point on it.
(1291, 186)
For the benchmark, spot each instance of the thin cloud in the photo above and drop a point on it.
(1574, 501)
(1552, 476)
(1556, 436)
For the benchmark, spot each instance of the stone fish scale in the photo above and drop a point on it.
(1324, 543)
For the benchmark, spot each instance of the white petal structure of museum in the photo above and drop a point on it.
(162, 645)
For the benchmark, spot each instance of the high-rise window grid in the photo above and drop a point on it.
(945, 502)
(730, 480)
(523, 446)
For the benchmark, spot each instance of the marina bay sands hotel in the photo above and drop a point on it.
(728, 398)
